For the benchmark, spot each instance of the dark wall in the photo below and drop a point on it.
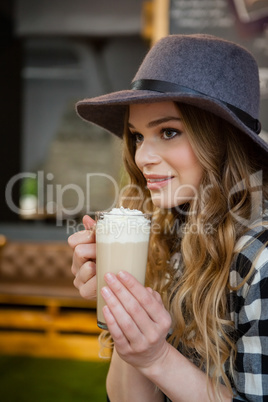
(10, 106)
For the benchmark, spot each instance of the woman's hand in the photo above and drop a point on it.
(137, 320)
(139, 323)
(84, 259)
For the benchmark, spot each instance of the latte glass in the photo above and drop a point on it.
(122, 239)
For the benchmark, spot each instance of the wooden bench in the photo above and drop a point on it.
(41, 312)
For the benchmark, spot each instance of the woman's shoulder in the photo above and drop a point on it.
(255, 236)
(251, 253)
(253, 239)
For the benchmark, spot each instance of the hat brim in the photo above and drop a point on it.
(108, 111)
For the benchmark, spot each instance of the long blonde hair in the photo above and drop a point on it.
(203, 233)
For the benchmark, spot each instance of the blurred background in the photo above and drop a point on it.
(56, 167)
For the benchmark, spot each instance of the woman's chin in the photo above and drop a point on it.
(161, 202)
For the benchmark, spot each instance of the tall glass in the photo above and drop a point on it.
(122, 240)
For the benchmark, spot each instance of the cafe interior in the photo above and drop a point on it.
(57, 168)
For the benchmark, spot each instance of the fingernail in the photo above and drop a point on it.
(109, 277)
(123, 275)
(105, 291)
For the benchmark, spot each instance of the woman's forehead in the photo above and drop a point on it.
(151, 111)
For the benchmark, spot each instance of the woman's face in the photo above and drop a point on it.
(164, 154)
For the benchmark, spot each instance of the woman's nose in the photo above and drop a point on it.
(148, 153)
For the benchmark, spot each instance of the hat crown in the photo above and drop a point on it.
(215, 67)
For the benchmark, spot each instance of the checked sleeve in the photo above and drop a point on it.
(249, 311)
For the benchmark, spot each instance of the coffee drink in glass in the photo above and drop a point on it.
(122, 238)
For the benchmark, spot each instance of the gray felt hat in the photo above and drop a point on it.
(202, 70)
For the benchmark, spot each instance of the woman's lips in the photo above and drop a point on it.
(157, 182)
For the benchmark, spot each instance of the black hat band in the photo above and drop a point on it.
(165, 87)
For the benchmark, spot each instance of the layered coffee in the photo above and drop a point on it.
(122, 237)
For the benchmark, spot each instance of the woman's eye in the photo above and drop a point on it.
(137, 138)
(169, 133)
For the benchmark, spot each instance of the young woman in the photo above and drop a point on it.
(198, 331)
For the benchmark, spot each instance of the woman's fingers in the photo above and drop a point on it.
(84, 256)
(134, 307)
(85, 280)
(155, 294)
(83, 237)
(88, 289)
(83, 244)
(121, 325)
(151, 302)
(88, 222)
(83, 253)
(138, 321)
(85, 273)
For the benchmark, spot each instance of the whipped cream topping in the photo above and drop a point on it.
(124, 211)
(123, 225)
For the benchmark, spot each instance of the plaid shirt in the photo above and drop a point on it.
(249, 312)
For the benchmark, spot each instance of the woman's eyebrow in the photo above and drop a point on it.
(155, 123)
(162, 120)
(130, 125)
